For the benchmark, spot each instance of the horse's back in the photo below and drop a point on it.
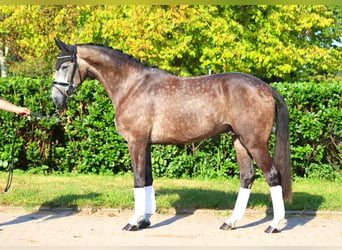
(191, 109)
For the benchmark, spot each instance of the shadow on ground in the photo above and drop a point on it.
(49, 211)
(210, 199)
(219, 200)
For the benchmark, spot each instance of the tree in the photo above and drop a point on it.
(275, 43)
(29, 32)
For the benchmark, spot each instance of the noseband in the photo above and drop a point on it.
(71, 86)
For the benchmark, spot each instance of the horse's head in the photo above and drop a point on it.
(67, 76)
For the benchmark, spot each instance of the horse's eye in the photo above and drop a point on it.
(65, 67)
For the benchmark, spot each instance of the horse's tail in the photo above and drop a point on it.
(282, 153)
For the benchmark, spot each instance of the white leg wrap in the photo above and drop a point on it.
(139, 205)
(240, 205)
(150, 200)
(278, 205)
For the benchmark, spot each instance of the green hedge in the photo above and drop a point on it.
(86, 140)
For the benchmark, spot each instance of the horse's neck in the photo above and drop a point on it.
(116, 78)
(118, 83)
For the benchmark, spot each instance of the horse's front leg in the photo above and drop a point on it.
(144, 197)
(150, 201)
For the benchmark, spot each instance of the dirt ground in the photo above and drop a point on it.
(86, 228)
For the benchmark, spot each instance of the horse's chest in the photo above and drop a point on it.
(133, 121)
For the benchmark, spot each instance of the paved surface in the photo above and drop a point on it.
(19, 227)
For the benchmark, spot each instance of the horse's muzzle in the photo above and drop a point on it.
(59, 98)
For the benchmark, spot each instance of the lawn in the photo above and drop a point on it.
(79, 191)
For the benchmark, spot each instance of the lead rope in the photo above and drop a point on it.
(11, 166)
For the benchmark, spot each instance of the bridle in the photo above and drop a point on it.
(71, 86)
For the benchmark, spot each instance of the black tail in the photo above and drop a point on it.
(282, 153)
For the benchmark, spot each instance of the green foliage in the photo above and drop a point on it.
(86, 141)
(34, 140)
(316, 127)
(273, 42)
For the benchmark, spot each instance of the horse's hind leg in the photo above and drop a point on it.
(262, 157)
(246, 180)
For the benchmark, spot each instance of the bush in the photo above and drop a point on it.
(86, 140)
(315, 127)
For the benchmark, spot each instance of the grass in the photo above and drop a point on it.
(79, 191)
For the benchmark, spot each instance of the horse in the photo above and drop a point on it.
(153, 106)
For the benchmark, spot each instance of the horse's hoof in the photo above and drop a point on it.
(271, 230)
(226, 226)
(130, 227)
(144, 224)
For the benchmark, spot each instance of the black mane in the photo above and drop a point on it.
(119, 52)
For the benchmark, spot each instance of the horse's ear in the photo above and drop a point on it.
(65, 47)
(59, 44)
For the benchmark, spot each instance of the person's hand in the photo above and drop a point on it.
(23, 111)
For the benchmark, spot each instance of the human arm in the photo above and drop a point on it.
(10, 107)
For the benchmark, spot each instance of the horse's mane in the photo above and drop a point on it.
(118, 52)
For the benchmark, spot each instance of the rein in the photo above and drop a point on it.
(68, 92)
(10, 168)
(11, 165)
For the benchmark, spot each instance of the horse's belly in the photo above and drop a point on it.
(184, 131)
